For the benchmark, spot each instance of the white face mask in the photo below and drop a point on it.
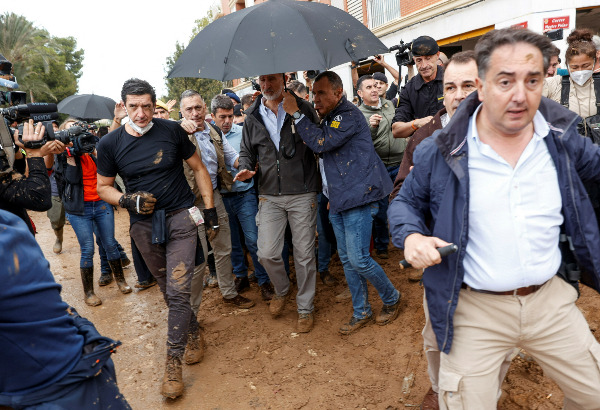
(137, 128)
(580, 77)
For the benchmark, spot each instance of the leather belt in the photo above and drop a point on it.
(524, 291)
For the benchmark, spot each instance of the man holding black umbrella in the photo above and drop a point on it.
(288, 184)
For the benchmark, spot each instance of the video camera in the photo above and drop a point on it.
(79, 134)
(35, 111)
(13, 97)
(404, 56)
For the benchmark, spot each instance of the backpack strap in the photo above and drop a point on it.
(565, 90)
(596, 78)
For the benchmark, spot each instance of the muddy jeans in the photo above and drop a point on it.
(172, 265)
(273, 214)
(56, 214)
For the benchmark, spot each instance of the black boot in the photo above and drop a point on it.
(117, 269)
(87, 278)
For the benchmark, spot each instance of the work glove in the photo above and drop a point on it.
(211, 223)
(139, 202)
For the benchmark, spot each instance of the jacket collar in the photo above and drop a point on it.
(419, 82)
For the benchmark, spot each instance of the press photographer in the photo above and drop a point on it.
(24, 182)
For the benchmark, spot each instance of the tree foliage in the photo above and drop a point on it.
(46, 67)
(175, 86)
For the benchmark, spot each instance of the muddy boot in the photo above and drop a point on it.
(194, 351)
(117, 269)
(172, 386)
(87, 278)
(59, 240)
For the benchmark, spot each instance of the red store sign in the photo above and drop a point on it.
(554, 23)
(520, 25)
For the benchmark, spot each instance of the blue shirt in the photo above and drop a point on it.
(234, 137)
(209, 154)
(273, 123)
(514, 214)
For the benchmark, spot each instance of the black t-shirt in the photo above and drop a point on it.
(419, 99)
(150, 163)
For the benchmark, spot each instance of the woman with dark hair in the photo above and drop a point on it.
(576, 91)
(85, 210)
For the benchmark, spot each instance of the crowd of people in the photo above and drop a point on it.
(466, 152)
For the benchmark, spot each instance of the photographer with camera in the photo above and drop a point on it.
(423, 95)
(85, 210)
(28, 187)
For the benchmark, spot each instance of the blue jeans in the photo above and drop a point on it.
(104, 266)
(101, 214)
(327, 244)
(242, 209)
(381, 233)
(353, 233)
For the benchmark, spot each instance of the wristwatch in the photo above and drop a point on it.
(297, 115)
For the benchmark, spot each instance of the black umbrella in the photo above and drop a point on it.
(87, 106)
(274, 37)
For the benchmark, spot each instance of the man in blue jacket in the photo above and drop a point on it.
(503, 181)
(356, 179)
(50, 357)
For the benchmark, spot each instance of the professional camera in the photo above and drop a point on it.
(35, 111)
(13, 97)
(79, 134)
(404, 56)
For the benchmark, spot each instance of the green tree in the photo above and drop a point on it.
(175, 86)
(46, 67)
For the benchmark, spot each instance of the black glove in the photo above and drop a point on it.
(211, 223)
(139, 202)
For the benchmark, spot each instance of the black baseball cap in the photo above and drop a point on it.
(424, 46)
(380, 77)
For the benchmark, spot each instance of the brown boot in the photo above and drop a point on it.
(87, 278)
(59, 240)
(277, 305)
(117, 269)
(194, 351)
(172, 386)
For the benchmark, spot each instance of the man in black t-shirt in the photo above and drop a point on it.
(147, 153)
(423, 96)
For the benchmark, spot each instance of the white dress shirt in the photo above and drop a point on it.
(514, 214)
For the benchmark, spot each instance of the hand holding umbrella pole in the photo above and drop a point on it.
(444, 251)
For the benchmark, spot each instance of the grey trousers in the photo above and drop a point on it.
(222, 251)
(172, 266)
(274, 212)
(56, 214)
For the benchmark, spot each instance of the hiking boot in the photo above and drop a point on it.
(277, 305)
(327, 278)
(305, 322)
(354, 324)
(145, 284)
(87, 278)
(57, 248)
(382, 253)
(430, 401)
(241, 284)
(388, 313)
(172, 386)
(117, 269)
(240, 301)
(211, 280)
(105, 278)
(194, 350)
(345, 295)
(266, 291)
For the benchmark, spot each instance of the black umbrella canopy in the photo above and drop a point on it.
(87, 106)
(274, 37)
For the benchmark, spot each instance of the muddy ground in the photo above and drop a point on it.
(253, 361)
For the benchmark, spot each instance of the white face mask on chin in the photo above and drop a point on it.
(137, 128)
(581, 77)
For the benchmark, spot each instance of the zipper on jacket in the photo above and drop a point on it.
(278, 178)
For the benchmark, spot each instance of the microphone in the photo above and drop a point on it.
(47, 116)
(36, 108)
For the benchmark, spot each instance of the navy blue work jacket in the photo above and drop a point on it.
(438, 186)
(355, 174)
